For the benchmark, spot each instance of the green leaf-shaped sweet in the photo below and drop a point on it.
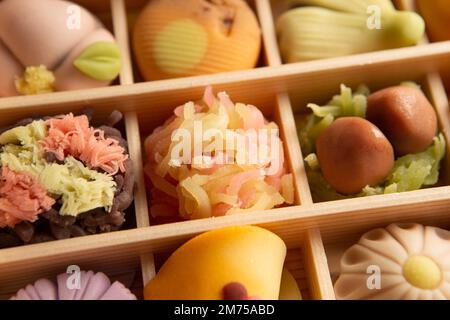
(100, 61)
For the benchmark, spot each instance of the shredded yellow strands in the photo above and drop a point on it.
(79, 188)
(204, 186)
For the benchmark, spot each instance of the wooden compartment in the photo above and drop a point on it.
(114, 252)
(134, 8)
(305, 260)
(271, 10)
(273, 110)
(111, 14)
(336, 248)
(430, 84)
(280, 90)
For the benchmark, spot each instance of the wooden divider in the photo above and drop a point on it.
(304, 227)
(133, 133)
(315, 260)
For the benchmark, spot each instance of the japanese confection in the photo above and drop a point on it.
(318, 29)
(60, 177)
(214, 157)
(233, 263)
(400, 262)
(362, 144)
(177, 38)
(53, 45)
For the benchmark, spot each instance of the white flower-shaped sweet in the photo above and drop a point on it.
(403, 261)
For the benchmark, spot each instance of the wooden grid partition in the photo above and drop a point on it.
(316, 233)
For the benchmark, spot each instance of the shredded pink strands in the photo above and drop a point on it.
(269, 171)
(245, 198)
(239, 179)
(274, 182)
(22, 198)
(255, 121)
(220, 209)
(180, 110)
(208, 96)
(225, 100)
(70, 135)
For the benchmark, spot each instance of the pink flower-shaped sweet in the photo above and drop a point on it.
(92, 286)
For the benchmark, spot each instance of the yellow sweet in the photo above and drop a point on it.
(289, 288)
(422, 272)
(176, 38)
(202, 267)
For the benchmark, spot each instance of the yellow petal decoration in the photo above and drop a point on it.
(35, 80)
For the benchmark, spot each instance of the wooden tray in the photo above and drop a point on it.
(312, 231)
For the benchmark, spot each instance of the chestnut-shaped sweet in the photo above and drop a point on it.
(405, 116)
(353, 154)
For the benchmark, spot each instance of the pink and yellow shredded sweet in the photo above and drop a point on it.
(215, 158)
(72, 135)
(62, 178)
(22, 198)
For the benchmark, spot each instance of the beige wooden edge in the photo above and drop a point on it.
(264, 11)
(135, 150)
(333, 219)
(119, 17)
(277, 79)
(283, 112)
(439, 99)
(315, 262)
(121, 32)
(316, 266)
(285, 118)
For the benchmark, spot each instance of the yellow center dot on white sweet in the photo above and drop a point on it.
(422, 272)
(180, 46)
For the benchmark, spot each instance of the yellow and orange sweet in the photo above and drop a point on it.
(233, 263)
(176, 38)
(289, 289)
